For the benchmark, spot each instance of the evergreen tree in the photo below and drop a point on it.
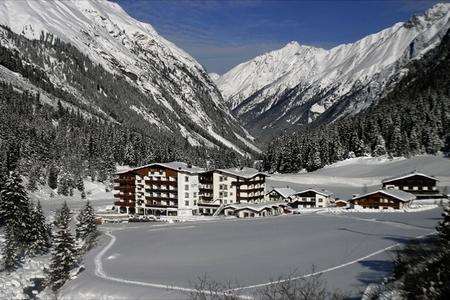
(64, 184)
(443, 228)
(380, 146)
(10, 249)
(41, 232)
(86, 228)
(15, 209)
(53, 177)
(64, 254)
(33, 178)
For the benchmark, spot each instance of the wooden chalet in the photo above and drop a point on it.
(419, 184)
(383, 199)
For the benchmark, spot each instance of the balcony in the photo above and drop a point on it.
(124, 203)
(158, 182)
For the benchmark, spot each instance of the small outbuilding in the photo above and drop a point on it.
(254, 210)
(383, 199)
(341, 203)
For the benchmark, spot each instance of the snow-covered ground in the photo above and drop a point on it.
(143, 261)
(96, 193)
(351, 176)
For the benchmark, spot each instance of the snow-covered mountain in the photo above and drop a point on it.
(214, 76)
(298, 84)
(178, 95)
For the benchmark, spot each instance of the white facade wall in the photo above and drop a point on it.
(322, 201)
(223, 190)
(188, 188)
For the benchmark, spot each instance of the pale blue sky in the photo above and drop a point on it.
(221, 34)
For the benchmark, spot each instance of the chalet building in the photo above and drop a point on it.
(419, 184)
(221, 187)
(280, 194)
(251, 210)
(341, 203)
(383, 199)
(312, 198)
(170, 189)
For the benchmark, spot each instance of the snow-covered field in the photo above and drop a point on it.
(350, 176)
(143, 261)
(95, 192)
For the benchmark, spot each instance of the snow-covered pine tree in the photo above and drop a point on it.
(380, 146)
(64, 254)
(63, 184)
(10, 249)
(15, 208)
(86, 228)
(443, 228)
(41, 232)
(53, 177)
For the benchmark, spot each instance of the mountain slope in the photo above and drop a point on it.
(413, 118)
(299, 84)
(173, 92)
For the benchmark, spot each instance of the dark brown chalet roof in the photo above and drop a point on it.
(415, 173)
(397, 194)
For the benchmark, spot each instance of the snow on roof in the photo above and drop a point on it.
(242, 172)
(400, 195)
(284, 192)
(414, 173)
(255, 206)
(323, 192)
(174, 165)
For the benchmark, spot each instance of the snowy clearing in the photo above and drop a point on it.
(249, 252)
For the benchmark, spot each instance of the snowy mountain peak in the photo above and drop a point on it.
(214, 76)
(297, 84)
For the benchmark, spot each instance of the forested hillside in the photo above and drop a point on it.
(60, 147)
(413, 118)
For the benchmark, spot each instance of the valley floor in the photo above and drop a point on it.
(140, 261)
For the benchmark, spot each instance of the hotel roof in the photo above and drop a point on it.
(174, 165)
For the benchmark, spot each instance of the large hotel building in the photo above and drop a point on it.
(179, 189)
(170, 189)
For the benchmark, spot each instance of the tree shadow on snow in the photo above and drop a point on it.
(377, 270)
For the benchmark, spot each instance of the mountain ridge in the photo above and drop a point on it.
(167, 77)
(304, 88)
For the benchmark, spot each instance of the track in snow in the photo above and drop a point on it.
(99, 271)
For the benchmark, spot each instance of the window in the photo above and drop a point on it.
(186, 178)
(405, 188)
(186, 187)
(225, 194)
(186, 195)
(415, 188)
(194, 194)
(186, 202)
(195, 202)
(220, 194)
(320, 200)
(425, 188)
